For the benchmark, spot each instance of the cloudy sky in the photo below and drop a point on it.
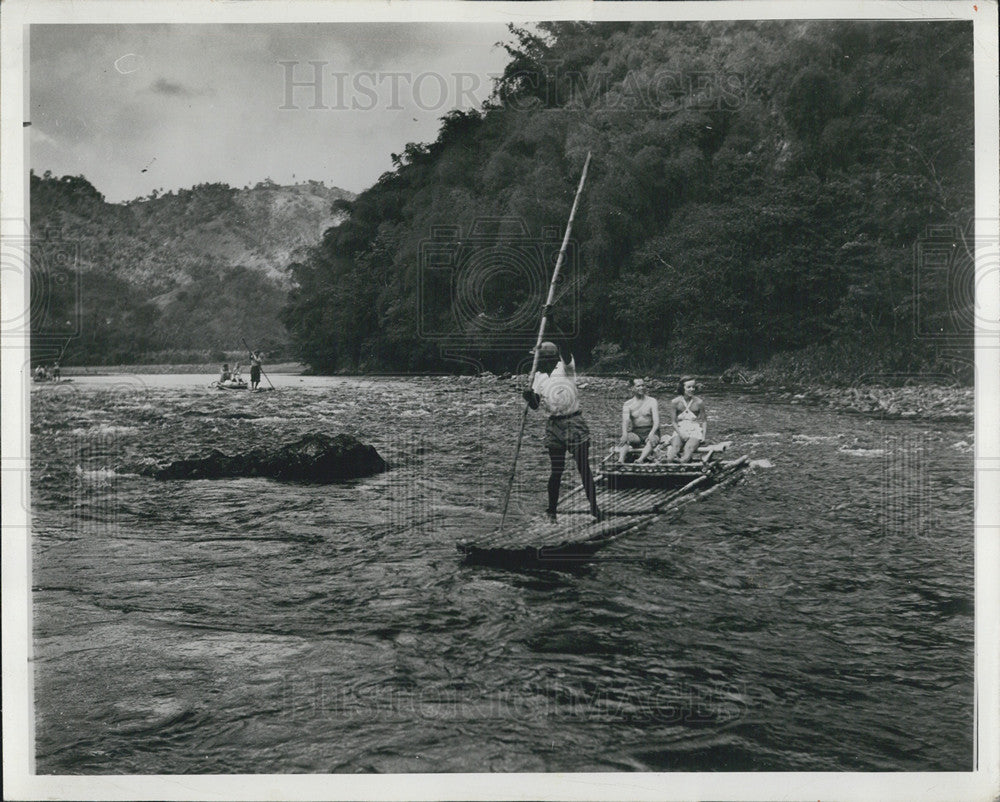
(139, 107)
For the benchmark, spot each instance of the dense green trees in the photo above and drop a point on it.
(757, 190)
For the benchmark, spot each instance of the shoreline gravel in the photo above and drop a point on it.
(916, 401)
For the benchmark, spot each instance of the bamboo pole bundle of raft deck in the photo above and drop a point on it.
(631, 502)
(676, 500)
(634, 510)
(728, 475)
(645, 501)
(645, 520)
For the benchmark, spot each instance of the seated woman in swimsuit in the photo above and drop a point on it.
(688, 420)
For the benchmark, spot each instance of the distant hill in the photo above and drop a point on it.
(160, 277)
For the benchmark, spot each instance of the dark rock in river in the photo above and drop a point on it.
(313, 458)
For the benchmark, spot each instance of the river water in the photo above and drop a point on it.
(816, 617)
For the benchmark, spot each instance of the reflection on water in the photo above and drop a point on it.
(817, 617)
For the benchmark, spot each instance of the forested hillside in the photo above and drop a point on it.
(758, 192)
(176, 276)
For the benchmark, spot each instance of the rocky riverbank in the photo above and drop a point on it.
(917, 401)
(914, 401)
(928, 402)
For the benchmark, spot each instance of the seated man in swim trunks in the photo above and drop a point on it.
(640, 423)
(224, 374)
(688, 420)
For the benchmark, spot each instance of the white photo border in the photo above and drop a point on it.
(20, 781)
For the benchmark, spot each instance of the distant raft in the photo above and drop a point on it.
(631, 496)
(231, 384)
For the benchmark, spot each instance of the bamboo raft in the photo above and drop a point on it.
(631, 496)
(230, 384)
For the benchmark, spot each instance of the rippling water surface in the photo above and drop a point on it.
(817, 617)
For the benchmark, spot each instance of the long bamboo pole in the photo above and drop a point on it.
(541, 335)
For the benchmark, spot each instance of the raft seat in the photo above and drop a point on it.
(706, 452)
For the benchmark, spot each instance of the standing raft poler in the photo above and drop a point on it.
(256, 360)
(566, 429)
